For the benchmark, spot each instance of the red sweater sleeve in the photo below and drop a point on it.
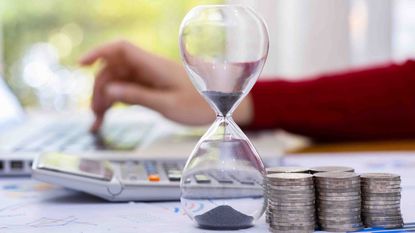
(370, 104)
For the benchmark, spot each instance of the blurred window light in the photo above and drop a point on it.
(404, 29)
(42, 41)
(358, 22)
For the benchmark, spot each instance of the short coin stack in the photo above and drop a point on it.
(338, 201)
(274, 170)
(291, 202)
(381, 196)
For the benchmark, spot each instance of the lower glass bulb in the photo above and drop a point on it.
(222, 182)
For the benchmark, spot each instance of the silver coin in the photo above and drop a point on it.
(291, 208)
(291, 187)
(304, 214)
(337, 180)
(338, 202)
(347, 219)
(388, 207)
(381, 203)
(396, 194)
(366, 191)
(292, 192)
(381, 186)
(338, 207)
(380, 182)
(337, 188)
(342, 229)
(294, 200)
(380, 214)
(383, 218)
(386, 226)
(290, 198)
(349, 198)
(294, 219)
(345, 225)
(336, 175)
(290, 231)
(384, 223)
(287, 170)
(289, 176)
(293, 224)
(331, 169)
(290, 183)
(293, 228)
(370, 198)
(342, 193)
(292, 204)
(281, 208)
(380, 176)
(339, 211)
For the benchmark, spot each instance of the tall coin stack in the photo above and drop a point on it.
(274, 170)
(381, 196)
(291, 202)
(338, 201)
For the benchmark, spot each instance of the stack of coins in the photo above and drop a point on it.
(338, 201)
(291, 202)
(381, 196)
(282, 169)
(331, 169)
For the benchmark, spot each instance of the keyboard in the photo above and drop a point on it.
(76, 137)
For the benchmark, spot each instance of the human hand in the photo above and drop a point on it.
(135, 76)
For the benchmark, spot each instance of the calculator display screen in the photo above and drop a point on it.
(71, 164)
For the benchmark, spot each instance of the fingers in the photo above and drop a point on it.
(99, 119)
(100, 102)
(105, 52)
(136, 94)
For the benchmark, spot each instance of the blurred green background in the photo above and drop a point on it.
(42, 41)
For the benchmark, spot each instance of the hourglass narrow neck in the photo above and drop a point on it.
(223, 102)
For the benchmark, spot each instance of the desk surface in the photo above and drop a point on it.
(30, 206)
(397, 145)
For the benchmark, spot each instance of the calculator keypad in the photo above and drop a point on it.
(171, 172)
(150, 170)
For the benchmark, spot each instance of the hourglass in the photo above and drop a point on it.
(224, 48)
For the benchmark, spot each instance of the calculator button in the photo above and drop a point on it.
(244, 180)
(174, 171)
(174, 177)
(188, 181)
(154, 178)
(221, 178)
(133, 177)
(150, 167)
(202, 179)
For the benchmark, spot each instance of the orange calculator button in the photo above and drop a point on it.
(153, 178)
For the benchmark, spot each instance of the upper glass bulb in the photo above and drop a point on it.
(224, 48)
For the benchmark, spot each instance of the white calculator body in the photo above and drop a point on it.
(135, 180)
(126, 180)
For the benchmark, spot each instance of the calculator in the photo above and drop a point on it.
(131, 179)
(113, 180)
